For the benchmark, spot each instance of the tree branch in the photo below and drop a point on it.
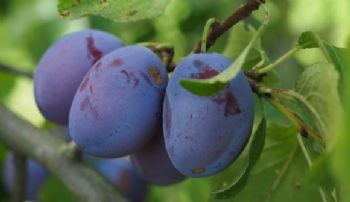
(24, 138)
(11, 70)
(219, 28)
(20, 178)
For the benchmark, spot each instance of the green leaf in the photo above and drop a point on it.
(280, 173)
(255, 150)
(320, 172)
(333, 54)
(318, 84)
(54, 191)
(240, 36)
(308, 40)
(340, 156)
(211, 86)
(117, 10)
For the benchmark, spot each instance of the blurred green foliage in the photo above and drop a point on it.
(28, 28)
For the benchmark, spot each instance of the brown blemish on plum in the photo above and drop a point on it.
(84, 84)
(98, 64)
(168, 113)
(127, 75)
(130, 77)
(218, 99)
(116, 63)
(93, 53)
(155, 74)
(198, 171)
(231, 106)
(230, 102)
(206, 74)
(91, 90)
(145, 77)
(85, 103)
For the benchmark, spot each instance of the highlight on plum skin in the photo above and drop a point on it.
(117, 108)
(36, 176)
(153, 164)
(123, 175)
(205, 134)
(62, 68)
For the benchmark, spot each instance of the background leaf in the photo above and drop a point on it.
(319, 86)
(117, 10)
(255, 149)
(281, 172)
(341, 142)
(333, 54)
(53, 188)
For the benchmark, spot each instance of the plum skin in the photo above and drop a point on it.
(117, 108)
(63, 66)
(36, 176)
(153, 164)
(123, 175)
(204, 135)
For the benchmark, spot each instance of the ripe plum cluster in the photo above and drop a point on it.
(117, 101)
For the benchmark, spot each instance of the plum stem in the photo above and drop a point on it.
(276, 63)
(20, 177)
(242, 12)
(295, 119)
(71, 150)
(210, 24)
(303, 101)
(166, 52)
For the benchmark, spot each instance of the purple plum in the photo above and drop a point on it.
(154, 165)
(123, 175)
(117, 108)
(62, 68)
(205, 134)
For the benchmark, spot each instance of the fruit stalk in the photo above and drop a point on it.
(242, 12)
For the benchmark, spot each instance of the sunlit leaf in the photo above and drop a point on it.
(333, 54)
(117, 10)
(318, 84)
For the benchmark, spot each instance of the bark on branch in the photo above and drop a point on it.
(221, 27)
(26, 139)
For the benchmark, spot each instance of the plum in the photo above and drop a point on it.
(205, 134)
(62, 68)
(36, 176)
(117, 108)
(123, 175)
(154, 165)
